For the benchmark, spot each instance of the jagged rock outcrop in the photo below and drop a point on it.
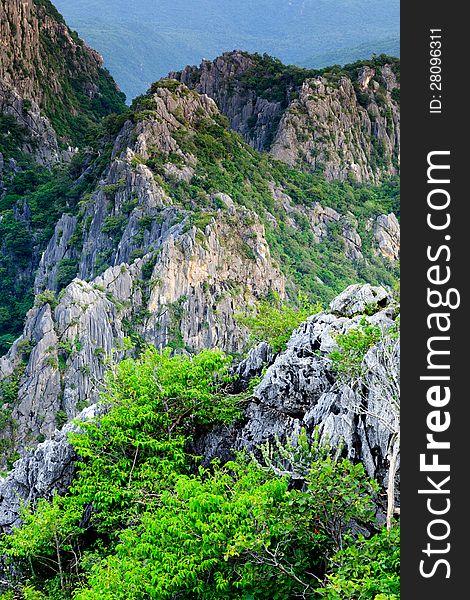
(39, 474)
(344, 125)
(327, 129)
(298, 390)
(386, 230)
(134, 262)
(251, 115)
(194, 291)
(41, 139)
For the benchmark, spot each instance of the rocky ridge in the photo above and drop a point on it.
(134, 261)
(344, 124)
(185, 286)
(44, 65)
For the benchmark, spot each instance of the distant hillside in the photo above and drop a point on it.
(343, 56)
(144, 39)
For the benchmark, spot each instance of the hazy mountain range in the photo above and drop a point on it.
(142, 40)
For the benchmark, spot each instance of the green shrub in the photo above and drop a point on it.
(274, 321)
(261, 528)
(347, 359)
(46, 297)
(366, 569)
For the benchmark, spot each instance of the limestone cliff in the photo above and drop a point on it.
(170, 281)
(48, 67)
(341, 122)
(160, 253)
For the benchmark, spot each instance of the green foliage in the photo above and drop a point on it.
(347, 359)
(273, 80)
(46, 297)
(9, 386)
(47, 540)
(114, 224)
(253, 528)
(366, 569)
(236, 531)
(158, 401)
(274, 321)
(61, 418)
(67, 270)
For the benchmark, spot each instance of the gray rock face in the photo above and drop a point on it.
(254, 117)
(39, 474)
(252, 366)
(386, 231)
(57, 250)
(345, 129)
(300, 390)
(357, 299)
(143, 269)
(196, 287)
(327, 128)
(43, 143)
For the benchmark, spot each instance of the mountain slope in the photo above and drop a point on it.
(53, 93)
(153, 258)
(187, 227)
(343, 122)
(46, 63)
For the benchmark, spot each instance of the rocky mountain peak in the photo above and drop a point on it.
(343, 123)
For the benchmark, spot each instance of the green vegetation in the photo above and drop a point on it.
(74, 110)
(273, 80)
(347, 359)
(274, 321)
(161, 527)
(277, 82)
(369, 568)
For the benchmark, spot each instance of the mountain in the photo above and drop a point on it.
(53, 92)
(45, 63)
(186, 227)
(212, 269)
(145, 39)
(342, 122)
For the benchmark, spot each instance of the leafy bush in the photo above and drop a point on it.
(253, 528)
(347, 359)
(274, 321)
(46, 297)
(353, 345)
(366, 569)
(158, 401)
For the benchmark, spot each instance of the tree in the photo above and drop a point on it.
(47, 539)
